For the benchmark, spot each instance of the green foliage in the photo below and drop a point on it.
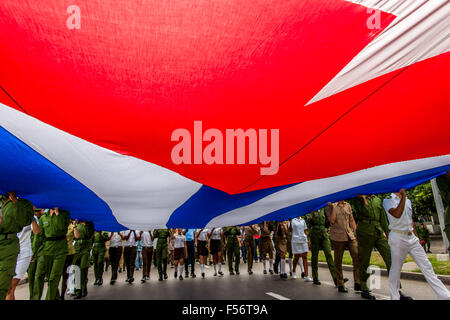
(422, 200)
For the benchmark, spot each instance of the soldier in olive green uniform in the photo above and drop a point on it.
(16, 214)
(53, 227)
(370, 233)
(161, 253)
(265, 244)
(320, 240)
(36, 248)
(231, 234)
(98, 254)
(281, 231)
(84, 236)
(443, 183)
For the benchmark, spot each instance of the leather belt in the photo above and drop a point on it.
(406, 233)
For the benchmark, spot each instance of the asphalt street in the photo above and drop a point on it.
(255, 287)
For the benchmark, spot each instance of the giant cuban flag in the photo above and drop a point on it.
(359, 90)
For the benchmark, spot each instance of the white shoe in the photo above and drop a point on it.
(308, 279)
(294, 275)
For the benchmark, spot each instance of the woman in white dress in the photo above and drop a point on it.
(300, 245)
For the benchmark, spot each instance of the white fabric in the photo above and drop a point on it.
(116, 240)
(179, 241)
(419, 32)
(404, 223)
(146, 240)
(131, 242)
(152, 192)
(298, 231)
(299, 248)
(216, 235)
(312, 189)
(401, 245)
(25, 241)
(23, 261)
(203, 236)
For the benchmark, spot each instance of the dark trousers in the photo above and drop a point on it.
(190, 258)
(115, 253)
(147, 255)
(129, 256)
(250, 248)
(339, 248)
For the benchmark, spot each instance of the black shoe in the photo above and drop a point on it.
(215, 274)
(143, 280)
(78, 296)
(366, 295)
(284, 276)
(165, 276)
(316, 281)
(265, 271)
(345, 280)
(342, 289)
(220, 273)
(250, 272)
(276, 271)
(231, 273)
(131, 280)
(271, 271)
(160, 278)
(193, 275)
(112, 282)
(290, 273)
(128, 280)
(404, 297)
(186, 275)
(175, 275)
(237, 272)
(203, 275)
(84, 293)
(303, 275)
(100, 282)
(357, 287)
(95, 282)
(335, 282)
(181, 277)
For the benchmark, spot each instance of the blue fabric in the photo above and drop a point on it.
(51, 186)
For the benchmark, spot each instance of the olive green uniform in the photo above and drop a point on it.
(370, 233)
(443, 183)
(83, 245)
(265, 243)
(37, 244)
(249, 242)
(98, 253)
(15, 216)
(53, 255)
(231, 234)
(320, 240)
(161, 253)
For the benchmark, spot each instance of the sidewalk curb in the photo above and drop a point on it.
(405, 274)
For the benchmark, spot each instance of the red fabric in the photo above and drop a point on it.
(137, 70)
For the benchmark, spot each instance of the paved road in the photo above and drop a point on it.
(255, 287)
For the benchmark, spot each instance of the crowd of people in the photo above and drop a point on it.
(50, 247)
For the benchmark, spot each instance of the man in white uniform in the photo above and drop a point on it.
(403, 240)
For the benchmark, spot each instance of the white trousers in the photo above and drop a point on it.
(401, 245)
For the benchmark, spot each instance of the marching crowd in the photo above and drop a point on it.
(50, 246)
